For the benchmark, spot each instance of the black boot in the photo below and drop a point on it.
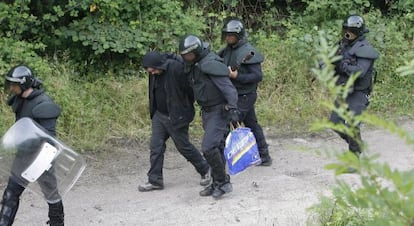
(222, 188)
(56, 215)
(266, 159)
(263, 147)
(207, 191)
(10, 204)
(221, 181)
(355, 144)
(217, 189)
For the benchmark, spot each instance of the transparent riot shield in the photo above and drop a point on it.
(28, 155)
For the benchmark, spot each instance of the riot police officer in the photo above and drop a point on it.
(217, 96)
(171, 103)
(358, 56)
(244, 62)
(28, 99)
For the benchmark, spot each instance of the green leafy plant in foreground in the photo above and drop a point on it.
(385, 195)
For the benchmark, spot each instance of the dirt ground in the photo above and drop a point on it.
(106, 193)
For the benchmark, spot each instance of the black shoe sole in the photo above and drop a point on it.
(142, 189)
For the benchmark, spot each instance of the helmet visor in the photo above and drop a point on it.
(15, 80)
(189, 49)
(8, 81)
(7, 85)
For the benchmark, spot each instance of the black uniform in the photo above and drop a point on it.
(34, 107)
(246, 82)
(171, 104)
(214, 92)
(357, 56)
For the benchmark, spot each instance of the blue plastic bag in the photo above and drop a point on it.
(241, 150)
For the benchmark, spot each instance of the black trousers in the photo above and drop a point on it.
(358, 102)
(162, 129)
(248, 117)
(216, 128)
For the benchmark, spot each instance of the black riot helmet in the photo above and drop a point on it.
(234, 26)
(355, 24)
(21, 75)
(190, 44)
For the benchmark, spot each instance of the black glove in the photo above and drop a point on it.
(234, 117)
(345, 64)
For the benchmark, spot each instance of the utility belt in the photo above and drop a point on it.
(247, 94)
(212, 108)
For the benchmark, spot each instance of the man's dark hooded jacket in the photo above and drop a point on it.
(179, 95)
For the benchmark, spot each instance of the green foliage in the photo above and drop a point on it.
(328, 212)
(101, 33)
(278, 98)
(322, 10)
(103, 37)
(95, 117)
(403, 10)
(127, 29)
(20, 52)
(393, 45)
(385, 195)
(105, 34)
(16, 20)
(407, 70)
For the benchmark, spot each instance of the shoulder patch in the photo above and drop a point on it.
(46, 110)
(213, 65)
(366, 51)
